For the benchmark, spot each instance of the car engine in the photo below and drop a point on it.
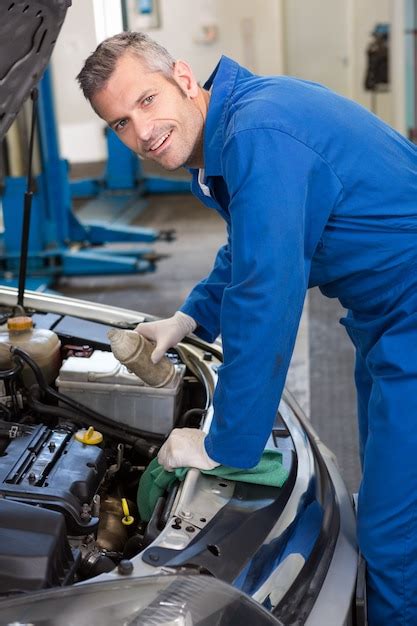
(72, 452)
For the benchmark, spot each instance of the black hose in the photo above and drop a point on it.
(11, 373)
(53, 411)
(23, 356)
(5, 410)
(143, 447)
(101, 564)
(185, 417)
(7, 427)
(67, 414)
(95, 418)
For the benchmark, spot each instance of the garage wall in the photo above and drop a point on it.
(326, 42)
(318, 48)
(200, 31)
(80, 132)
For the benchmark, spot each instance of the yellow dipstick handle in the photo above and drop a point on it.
(127, 520)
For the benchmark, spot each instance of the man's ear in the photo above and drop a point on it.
(184, 77)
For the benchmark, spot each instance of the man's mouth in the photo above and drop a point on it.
(160, 142)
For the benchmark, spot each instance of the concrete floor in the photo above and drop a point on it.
(332, 392)
(200, 232)
(321, 373)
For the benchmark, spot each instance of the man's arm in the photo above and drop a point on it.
(200, 313)
(281, 194)
(204, 302)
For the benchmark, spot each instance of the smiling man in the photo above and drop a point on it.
(315, 191)
(158, 114)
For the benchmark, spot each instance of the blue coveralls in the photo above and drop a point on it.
(315, 190)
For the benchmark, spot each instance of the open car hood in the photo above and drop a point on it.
(28, 31)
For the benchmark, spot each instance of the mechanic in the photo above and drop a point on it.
(315, 190)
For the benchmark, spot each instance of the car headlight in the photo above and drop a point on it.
(166, 600)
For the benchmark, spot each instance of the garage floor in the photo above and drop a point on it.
(321, 372)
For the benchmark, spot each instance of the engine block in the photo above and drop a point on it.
(50, 468)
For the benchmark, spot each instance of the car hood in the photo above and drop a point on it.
(28, 31)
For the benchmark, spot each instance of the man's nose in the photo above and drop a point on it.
(144, 129)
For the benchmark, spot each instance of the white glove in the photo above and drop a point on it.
(185, 448)
(166, 333)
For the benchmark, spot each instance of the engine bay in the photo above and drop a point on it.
(72, 452)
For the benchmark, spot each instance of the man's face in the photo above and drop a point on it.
(160, 119)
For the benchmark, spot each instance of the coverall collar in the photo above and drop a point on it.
(221, 83)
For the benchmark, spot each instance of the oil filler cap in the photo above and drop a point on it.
(90, 436)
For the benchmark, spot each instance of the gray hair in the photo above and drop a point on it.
(101, 64)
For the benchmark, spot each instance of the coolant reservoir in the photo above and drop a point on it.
(42, 345)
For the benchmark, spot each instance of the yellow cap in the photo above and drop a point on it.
(91, 437)
(21, 322)
(128, 519)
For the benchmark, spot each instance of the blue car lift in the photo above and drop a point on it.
(59, 243)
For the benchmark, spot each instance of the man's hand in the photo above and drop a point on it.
(185, 448)
(166, 333)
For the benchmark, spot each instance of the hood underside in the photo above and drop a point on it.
(28, 32)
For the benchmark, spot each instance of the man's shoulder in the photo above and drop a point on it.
(276, 95)
(300, 108)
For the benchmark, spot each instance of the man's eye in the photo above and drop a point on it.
(120, 125)
(148, 100)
